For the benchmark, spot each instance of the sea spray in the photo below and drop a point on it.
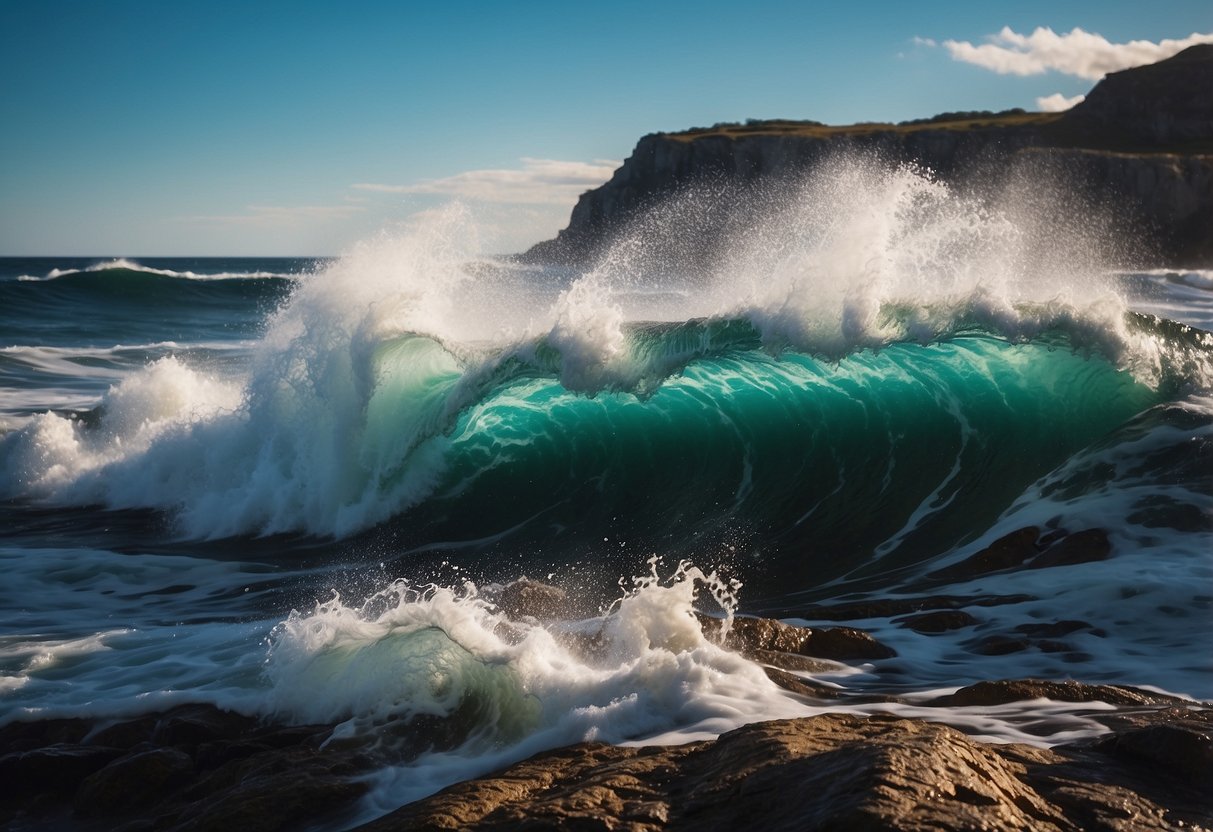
(449, 652)
(444, 684)
(408, 374)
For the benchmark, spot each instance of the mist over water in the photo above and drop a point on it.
(829, 390)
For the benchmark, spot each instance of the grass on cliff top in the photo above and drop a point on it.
(816, 129)
(1054, 131)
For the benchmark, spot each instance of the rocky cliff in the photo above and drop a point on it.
(1141, 144)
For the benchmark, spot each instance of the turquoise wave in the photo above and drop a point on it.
(890, 454)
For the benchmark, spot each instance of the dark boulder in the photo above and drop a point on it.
(939, 621)
(133, 782)
(1018, 690)
(748, 635)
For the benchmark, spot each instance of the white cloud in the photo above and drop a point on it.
(538, 182)
(280, 215)
(1057, 102)
(1083, 54)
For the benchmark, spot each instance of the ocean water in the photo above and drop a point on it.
(293, 488)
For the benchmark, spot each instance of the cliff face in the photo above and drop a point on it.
(1170, 101)
(1142, 142)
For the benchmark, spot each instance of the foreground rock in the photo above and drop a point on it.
(192, 768)
(835, 772)
(199, 768)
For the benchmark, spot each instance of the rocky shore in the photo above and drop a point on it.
(1139, 148)
(196, 767)
(846, 772)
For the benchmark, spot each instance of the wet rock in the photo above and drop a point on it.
(214, 753)
(23, 736)
(836, 771)
(1006, 552)
(190, 725)
(1043, 637)
(56, 768)
(195, 767)
(799, 685)
(1183, 747)
(1057, 629)
(812, 689)
(749, 635)
(1027, 548)
(527, 598)
(1080, 547)
(999, 645)
(286, 789)
(793, 661)
(126, 733)
(845, 643)
(133, 782)
(940, 621)
(890, 607)
(1018, 690)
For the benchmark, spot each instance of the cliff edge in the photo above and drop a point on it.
(1141, 142)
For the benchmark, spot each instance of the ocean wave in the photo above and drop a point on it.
(712, 429)
(915, 356)
(1195, 278)
(123, 264)
(118, 306)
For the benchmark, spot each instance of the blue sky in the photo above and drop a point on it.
(298, 128)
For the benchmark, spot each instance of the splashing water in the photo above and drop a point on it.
(344, 416)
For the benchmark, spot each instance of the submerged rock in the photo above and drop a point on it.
(1028, 548)
(1080, 547)
(1018, 690)
(890, 607)
(1006, 552)
(526, 598)
(939, 621)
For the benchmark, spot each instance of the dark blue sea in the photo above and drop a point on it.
(293, 487)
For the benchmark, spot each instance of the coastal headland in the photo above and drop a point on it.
(1140, 147)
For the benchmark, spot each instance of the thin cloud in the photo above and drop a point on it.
(279, 215)
(1057, 102)
(1079, 53)
(537, 182)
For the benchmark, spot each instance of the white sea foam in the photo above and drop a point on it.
(132, 265)
(1141, 616)
(55, 455)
